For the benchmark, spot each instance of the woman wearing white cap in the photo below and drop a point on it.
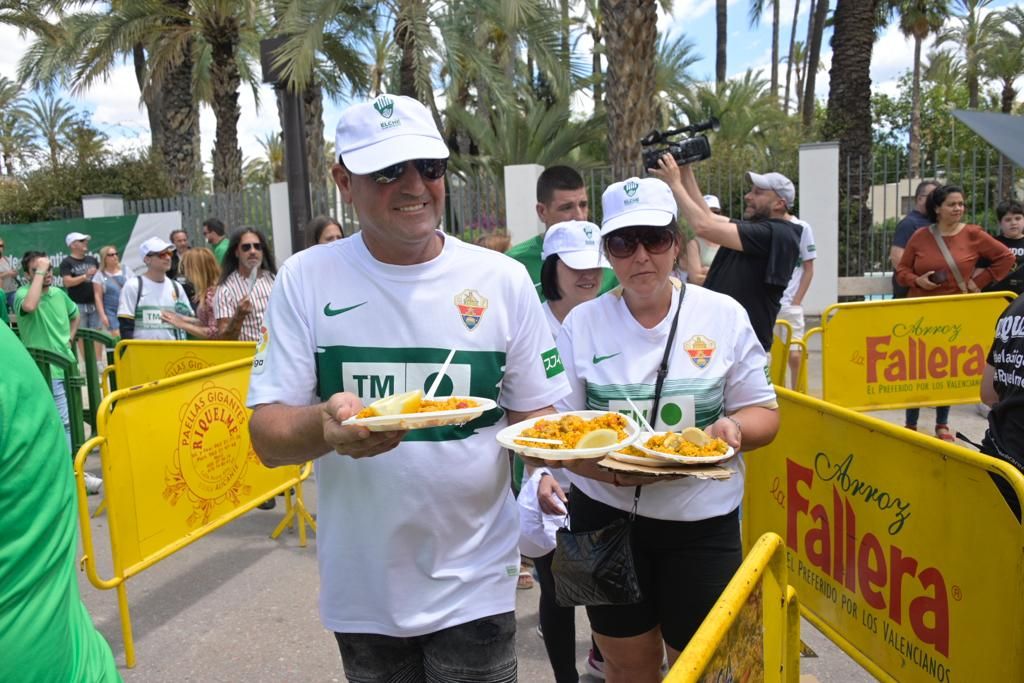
(686, 536)
(571, 273)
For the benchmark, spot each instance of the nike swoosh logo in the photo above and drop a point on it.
(598, 359)
(328, 311)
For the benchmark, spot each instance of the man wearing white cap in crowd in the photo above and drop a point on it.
(145, 298)
(700, 252)
(76, 272)
(758, 253)
(417, 531)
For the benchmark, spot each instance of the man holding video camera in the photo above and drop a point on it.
(757, 254)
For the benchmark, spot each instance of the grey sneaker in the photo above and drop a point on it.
(93, 484)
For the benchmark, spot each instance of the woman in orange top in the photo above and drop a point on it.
(924, 270)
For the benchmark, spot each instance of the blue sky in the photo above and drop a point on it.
(115, 104)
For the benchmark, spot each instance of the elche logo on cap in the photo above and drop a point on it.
(630, 189)
(385, 106)
(589, 232)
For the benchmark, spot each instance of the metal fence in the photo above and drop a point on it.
(885, 188)
(250, 207)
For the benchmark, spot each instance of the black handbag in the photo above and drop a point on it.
(596, 567)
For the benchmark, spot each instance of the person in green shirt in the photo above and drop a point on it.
(215, 234)
(561, 196)
(46, 633)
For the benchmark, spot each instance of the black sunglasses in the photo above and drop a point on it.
(623, 243)
(250, 246)
(431, 169)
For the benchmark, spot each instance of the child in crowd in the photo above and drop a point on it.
(1011, 233)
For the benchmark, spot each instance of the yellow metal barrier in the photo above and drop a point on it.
(177, 465)
(778, 363)
(901, 547)
(904, 353)
(753, 631)
(137, 361)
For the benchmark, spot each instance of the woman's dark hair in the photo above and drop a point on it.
(230, 263)
(549, 278)
(316, 226)
(937, 196)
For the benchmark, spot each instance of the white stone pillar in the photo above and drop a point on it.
(102, 205)
(819, 206)
(281, 222)
(521, 202)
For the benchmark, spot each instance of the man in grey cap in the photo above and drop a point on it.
(417, 574)
(757, 254)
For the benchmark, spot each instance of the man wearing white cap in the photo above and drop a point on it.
(417, 537)
(76, 271)
(145, 299)
(758, 253)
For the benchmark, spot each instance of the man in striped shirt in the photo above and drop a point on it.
(247, 276)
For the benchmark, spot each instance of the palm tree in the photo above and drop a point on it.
(971, 32)
(721, 36)
(849, 108)
(51, 119)
(16, 139)
(1004, 56)
(815, 31)
(789, 58)
(798, 60)
(756, 11)
(919, 18)
(672, 77)
(630, 44)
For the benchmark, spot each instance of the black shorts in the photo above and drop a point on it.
(682, 566)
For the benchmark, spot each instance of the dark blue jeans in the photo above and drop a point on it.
(941, 415)
(482, 651)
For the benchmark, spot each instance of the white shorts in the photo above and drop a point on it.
(794, 315)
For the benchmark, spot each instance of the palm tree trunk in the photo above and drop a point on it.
(407, 49)
(775, 51)
(789, 58)
(1007, 98)
(313, 115)
(178, 115)
(721, 36)
(915, 114)
(813, 57)
(225, 81)
(630, 43)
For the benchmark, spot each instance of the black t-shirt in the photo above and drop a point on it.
(1006, 421)
(71, 266)
(1014, 282)
(757, 276)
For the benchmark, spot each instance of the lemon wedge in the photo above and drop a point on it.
(599, 438)
(399, 404)
(698, 437)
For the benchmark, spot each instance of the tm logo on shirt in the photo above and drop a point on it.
(552, 362)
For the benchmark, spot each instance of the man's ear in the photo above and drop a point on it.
(343, 179)
(541, 210)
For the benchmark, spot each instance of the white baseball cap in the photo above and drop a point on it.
(577, 243)
(75, 236)
(777, 183)
(390, 129)
(154, 245)
(637, 201)
(712, 202)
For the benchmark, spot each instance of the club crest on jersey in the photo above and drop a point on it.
(700, 349)
(471, 305)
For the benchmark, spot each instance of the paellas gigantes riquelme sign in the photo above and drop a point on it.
(908, 352)
(900, 544)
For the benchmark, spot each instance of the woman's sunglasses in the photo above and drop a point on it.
(251, 245)
(431, 169)
(623, 243)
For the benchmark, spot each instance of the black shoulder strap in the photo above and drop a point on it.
(138, 296)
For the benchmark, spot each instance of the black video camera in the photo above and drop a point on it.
(685, 151)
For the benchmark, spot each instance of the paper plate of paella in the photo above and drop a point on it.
(570, 436)
(692, 446)
(411, 410)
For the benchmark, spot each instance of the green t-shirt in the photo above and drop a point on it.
(528, 253)
(49, 326)
(220, 249)
(3, 309)
(46, 633)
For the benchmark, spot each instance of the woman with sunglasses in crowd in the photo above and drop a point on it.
(686, 535)
(247, 276)
(107, 284)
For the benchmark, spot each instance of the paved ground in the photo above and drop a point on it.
(238, 606)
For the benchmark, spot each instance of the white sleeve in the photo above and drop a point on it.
(808, 250)
(534, 375)
(284, 370)
(129, 294)
(577, 398)
(747, 382)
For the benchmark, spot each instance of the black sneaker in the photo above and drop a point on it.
(268, 504)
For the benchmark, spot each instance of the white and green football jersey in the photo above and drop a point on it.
(422, 537)
(716, 367)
